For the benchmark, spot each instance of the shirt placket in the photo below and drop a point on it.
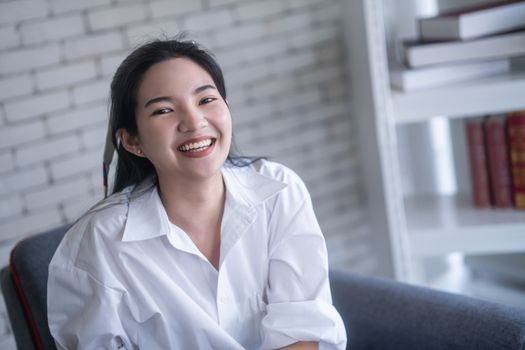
(226, 306)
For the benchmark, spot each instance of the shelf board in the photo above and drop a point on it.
(494, 94)
(439, 225)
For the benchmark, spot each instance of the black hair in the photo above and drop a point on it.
(132, 169)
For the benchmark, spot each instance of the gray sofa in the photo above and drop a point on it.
(378, 313)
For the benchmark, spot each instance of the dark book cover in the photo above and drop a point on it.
(498, 161)
(516, 142)
(478, 163)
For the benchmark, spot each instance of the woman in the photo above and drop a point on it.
(194, 249)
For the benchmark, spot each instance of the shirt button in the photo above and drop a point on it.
(224, 299)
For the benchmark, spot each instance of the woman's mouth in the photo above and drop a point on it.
(196, 146)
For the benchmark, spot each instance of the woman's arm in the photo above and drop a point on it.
(299, 304)
(302, 345)
(83, 313)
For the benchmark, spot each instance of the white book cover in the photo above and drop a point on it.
(506, 45)
(413, 79)
(472, 22)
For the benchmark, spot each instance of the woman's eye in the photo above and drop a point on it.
(207, 100)
(162, 111)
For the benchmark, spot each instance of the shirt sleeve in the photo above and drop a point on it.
(83, 313)
(299, 299)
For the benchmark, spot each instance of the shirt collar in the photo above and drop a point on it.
(248, 187)
(147, 217)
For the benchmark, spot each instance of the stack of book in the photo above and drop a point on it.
(468, 43)
(496, 152)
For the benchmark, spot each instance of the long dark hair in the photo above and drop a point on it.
(131, 169)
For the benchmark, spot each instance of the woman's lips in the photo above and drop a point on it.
(197, 147)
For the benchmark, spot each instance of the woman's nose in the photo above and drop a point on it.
(192, 119)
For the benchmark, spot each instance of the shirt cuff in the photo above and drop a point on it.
(312, 320)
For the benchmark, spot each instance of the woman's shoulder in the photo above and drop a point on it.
(276, 171)
(282, 178)
(110, 210)
(102, 222)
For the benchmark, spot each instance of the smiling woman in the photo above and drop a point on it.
(183, 124)
(194, 249)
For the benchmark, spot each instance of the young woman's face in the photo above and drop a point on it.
(184, 125)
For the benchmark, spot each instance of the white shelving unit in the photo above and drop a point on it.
(440, 225)
(409, 229)
(488, 95)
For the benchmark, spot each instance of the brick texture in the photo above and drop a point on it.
(92, 45)
(36, 105)
(116, 17)
(8, 37)
(19, 85)
(286, 79)
(22, 10)
(65, 75)
(52, 30)
(23, 60)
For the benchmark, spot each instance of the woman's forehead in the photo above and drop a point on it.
(178, 74)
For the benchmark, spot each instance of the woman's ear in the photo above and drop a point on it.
(130, 142)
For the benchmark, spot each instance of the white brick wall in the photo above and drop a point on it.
(56, 193)
(10, 206)
(116, 17)
(36, 105)
(19, 85)
(295, 21)
(76, 164)
(137, 34)
(25, 59)
(6, 162)
(109, 63)
(52, 30)
(174, 7)
(65, 75)
(94, 137)
(234, 36)
(30, 223)
(93, 45)
(15, 135)
(23, 180)
(22, 10)
(8, 37)
(95, 91)
(260, 9)
(46, 150)
(208, 20)
(65, 6)
(285, 73)
(77, 119)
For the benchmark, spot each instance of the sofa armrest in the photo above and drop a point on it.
(15, 311)
(385, 314)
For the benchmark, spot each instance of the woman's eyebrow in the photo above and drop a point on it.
(169, 99)
(158, 99)
(204, 87)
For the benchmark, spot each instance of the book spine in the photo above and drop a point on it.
(477, 162)
(498, 161)
(516, 144)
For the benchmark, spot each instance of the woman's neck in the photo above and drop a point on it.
(188, 202)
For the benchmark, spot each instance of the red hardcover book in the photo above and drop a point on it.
(516, 142)
(498, 161)
(478, 164)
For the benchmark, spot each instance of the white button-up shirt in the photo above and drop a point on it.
(125, 277)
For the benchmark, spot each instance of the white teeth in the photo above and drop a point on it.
(194, 146)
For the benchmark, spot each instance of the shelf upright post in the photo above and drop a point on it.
(371, 104)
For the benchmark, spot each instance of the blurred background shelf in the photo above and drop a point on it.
(413, 147)
(483, 96)
(439, 225)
